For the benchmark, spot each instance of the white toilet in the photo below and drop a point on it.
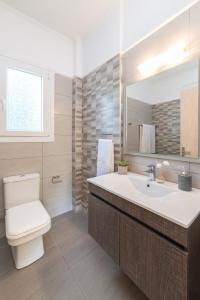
(26, 218)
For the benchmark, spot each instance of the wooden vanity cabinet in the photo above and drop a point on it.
(154, 264)
(159, 256)
(103, 226)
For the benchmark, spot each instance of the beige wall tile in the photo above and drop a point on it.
(178, 165)
(10, 167)
(63, 85)
(137, 168)
(2, 213)
(61, 146)
(65, 204)
(195, 168)
(195, 172)
(138, 164)
(57, 165)
(63, 105)
(171, 175)
(49, 158)
(195, 180)
(141, 160)
(57, 197)
(1, 199)
(20, 150)
(2, 228)
(60, 190)
(63, 125)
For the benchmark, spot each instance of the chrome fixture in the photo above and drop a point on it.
(152, 172)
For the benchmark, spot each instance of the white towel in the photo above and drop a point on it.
(105, 157)
(147, 138)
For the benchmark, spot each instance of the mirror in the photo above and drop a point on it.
(162, 113)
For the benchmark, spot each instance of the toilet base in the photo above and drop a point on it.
(28, 253)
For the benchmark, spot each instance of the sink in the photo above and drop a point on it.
(151, 188)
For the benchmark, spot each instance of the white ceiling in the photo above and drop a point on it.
(70, 17)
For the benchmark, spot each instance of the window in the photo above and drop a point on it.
(26, 102)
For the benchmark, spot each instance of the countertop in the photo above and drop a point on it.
(179, 207)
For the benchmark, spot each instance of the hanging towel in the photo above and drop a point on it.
(147, 138)
(105, 157)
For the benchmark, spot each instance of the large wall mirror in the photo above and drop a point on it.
(162, 113)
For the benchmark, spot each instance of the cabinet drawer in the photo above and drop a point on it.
(103, 226)
(157, 266)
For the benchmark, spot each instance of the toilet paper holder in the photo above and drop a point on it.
(56, 179)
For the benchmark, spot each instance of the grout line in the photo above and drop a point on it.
(49, 155)
(33, 157)
(62, 135)
(63, 115)
(42, 171)
(26, 157)
(60, 173)
(63, 95)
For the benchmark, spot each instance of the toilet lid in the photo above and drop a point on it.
(26, 218)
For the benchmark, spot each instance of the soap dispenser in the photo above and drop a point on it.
(185, 181)
(159, 166)
(159, 176)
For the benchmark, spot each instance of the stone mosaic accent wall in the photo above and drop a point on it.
(97, 114)
(77, 123)
(167, 116)
(101, 115)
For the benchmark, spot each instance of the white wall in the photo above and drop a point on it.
(166, 86)
(145, 16)
(27, 40)
(78, 57)
(129, 23)
(24, 39)
(102, 44)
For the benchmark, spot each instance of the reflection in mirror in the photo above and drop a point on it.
(162, 113)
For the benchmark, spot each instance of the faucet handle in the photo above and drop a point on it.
(151, 171)
(151, 167)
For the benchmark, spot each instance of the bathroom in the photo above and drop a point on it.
(99, 150)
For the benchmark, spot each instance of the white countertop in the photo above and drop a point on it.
(179, 207)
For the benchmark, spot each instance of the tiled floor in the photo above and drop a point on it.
(73, 268)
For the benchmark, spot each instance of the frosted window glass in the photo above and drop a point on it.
(24, 101)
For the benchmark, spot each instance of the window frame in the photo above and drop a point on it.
(47, 134)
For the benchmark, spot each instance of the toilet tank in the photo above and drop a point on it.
(21, 189)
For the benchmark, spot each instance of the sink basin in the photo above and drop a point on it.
(151, 188)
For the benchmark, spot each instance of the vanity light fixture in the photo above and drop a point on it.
(170, 57)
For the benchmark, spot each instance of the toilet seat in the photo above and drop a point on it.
(26, 222)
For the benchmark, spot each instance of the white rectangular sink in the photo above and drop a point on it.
(164, 199)
(150, 188)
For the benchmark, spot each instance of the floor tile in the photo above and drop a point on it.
(74, 267)
(6, 260)
(33, 277)
(95, 272)
(68, 229)
(74, 252)
(62, 288)
(121, 288)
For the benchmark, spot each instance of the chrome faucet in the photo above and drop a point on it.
(152, 172)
